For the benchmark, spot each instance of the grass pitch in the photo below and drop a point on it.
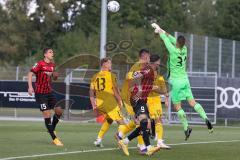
(30, 141)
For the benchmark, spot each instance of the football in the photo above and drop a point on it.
(113, 6)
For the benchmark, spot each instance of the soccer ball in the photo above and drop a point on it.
(113, 6)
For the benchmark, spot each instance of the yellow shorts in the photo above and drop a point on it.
(155, 110)
(129, 108)
(115, 114)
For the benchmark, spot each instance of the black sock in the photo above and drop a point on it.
(49, 127)
(153, 128)
(144, 129)
(55, 121)
(134, 134)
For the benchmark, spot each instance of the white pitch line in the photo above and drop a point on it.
(108, 149)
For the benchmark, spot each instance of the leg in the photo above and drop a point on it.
(124, 129)
(103, 131)
(182, 116)
(199, 109)
(47, 118)
(58, 113)
(159, 133)
(131, 125)
(43, 100)
(153, 129)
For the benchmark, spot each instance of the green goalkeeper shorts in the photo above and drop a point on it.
(180, 89)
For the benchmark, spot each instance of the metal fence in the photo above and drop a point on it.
(206, 54)
(211, 54)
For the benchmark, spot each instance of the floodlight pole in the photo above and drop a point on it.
(103, 29)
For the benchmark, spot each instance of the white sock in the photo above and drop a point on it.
(160, 141)
(125, 140)
(142, 147)
(148, 147)
(120, 134)
(99, 140)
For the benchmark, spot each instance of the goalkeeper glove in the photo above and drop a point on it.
(157, 28)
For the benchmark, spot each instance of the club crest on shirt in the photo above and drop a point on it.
(35, 65)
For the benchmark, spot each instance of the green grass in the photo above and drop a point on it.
(31, 138)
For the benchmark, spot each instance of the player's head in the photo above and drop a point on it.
(180, 41)
(155, 61)
(48, 53)
(144, 56)
(106, 63)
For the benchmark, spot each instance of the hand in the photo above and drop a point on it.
(94, 106)
(30, 91)
(157, 29)
(155, 87)
(55, 75)
(120, 103)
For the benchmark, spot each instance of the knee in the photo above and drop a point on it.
(192, 102)
(58, 111)
(109, 120)
(142, 117)
(144, 124)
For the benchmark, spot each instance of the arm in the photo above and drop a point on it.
(117, 96)
(30, 87)
(163, 87)
(36, 68)
(55, 75)
(160, 86)
(92, 93)
(116, 90)
(171, 38)
(167, 38)
(158, 90)
(92, 98)
(170, 47)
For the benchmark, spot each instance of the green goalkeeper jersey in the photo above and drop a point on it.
(177, 57)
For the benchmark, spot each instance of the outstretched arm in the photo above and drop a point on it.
(172, 39)
(170, 47)
(165, 37)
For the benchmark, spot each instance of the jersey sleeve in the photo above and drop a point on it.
(36, 67)
(92, 82)
(131, 73)
(170, 47)
(161, 82)
(172, 39)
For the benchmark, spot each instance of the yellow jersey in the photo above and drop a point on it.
(125, 93)
(153, 97)
(103, 83)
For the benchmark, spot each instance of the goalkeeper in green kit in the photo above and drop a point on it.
(178, 79)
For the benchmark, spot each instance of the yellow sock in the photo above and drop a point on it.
(140, 140)
(124, 129)
(104, 129)
(159, 130)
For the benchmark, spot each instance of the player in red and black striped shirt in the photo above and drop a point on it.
(141, 87)
(44, 71)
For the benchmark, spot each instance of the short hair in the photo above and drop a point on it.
(143, 51)
(45, 50)
(181, 40)
(154, 58)
(104, 60)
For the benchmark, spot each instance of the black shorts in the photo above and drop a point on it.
(46, 101)
(140, 107)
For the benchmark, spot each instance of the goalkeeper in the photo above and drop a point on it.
(178, 79)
